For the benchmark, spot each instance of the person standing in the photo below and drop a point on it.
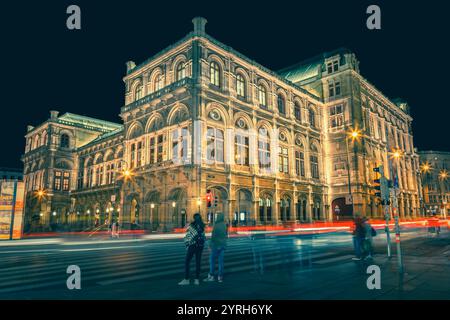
(194, 241)
(369, 232)
(217, 245)
(358, 237)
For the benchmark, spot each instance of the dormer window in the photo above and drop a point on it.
(333, 66)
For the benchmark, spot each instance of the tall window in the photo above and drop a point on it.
(332, 66)
(138, 92)
(180, 144)
(312, 118)
(262, 95)
(57, 180)
(159, 82)
(283, 159)
(298, 111)
(181, 71)
(215, 143)
(66, 181)
(65, 141)
(334, 88)
(160, 148)
(281, 104)
(300, 163)
(264, 149)
(133, 155)
(241, 147)
(314, 160)
(139, 154)
(214, 73)
(336, 116)
(152, 150)
(240, 85)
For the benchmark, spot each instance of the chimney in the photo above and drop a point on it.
(130, 65)
(199, 25)
(54, 114)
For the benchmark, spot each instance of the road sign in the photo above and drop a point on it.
(113, 198)
(348, 199)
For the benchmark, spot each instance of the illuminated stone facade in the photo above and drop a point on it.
(199, 116)
(435, 167)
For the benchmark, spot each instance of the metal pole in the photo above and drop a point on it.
(349, 179)
(388, 234)
(396, 219)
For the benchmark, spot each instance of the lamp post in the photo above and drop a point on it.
(354, 135)
(396, 155)
(152, 206)
(425, 168)
(443, 176)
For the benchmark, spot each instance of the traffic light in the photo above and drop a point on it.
(216, 201)
(208, 198)
(381, 186)
(377, 182)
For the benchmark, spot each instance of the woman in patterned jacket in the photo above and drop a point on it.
(195, 242)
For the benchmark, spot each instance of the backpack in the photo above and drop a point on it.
(374, 232)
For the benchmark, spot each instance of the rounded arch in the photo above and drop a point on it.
(287, 134)
(220, 109)
(179, 113)
(152, 196)
(154, 79)
(215, 58)
(314, 146)
(119, 152)
(109, 155)
(263, 93)
(134, 86)
(98, 158)
(300, 141)
(154, 123)
(88, 161)
(224, 194)
(36, 141)
(180, 59)
(241, 72)
(265, 125)
(242, 115)
(135, 130)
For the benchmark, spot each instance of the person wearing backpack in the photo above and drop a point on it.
(368, 240)
(195, 242)
(218, 243)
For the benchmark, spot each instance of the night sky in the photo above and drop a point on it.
(45, 66)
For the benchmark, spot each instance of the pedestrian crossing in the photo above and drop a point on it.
(110, 264)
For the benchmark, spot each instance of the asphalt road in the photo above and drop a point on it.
(279, 267)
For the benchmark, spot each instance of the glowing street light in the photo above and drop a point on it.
(174, 204)
(443, 175)
(425, 167)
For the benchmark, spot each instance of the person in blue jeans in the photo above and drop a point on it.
(358, 238)
(218, 244)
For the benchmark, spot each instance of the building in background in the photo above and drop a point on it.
(435, 176)
(11, 174)
(271, 147)
(11, 203)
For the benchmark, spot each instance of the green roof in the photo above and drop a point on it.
(89, 123)
(309, 68)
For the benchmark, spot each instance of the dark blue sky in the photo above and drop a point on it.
(46, 66)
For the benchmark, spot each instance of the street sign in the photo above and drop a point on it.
(337, 210)
(113, 198)
(348, 199)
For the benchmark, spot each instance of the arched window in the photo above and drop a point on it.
(240, 85)
(262, 95)
(241, 147)
(214, 73)
(281, 104)
(264, 149)
(138, 92)
(298, 111)
(181, 71)
(215, 144)
(65, 141)
(314, 162)
(312, 118)
(159, 82)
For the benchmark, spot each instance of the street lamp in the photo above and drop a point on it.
(443, 176)
(199, 203)
(353, 134)
(425, 169)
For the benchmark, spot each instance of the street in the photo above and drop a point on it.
(266, 266)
